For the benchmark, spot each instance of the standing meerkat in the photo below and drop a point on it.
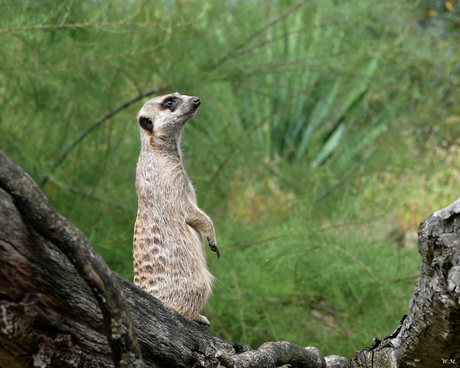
(168, 248)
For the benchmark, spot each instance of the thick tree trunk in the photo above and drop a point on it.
(49, 316)
(430, 335)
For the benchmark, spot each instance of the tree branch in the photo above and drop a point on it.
(273, 355)
(258, 32)
(98, 122)
(89, 264)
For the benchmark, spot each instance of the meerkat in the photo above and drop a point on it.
(168, 249)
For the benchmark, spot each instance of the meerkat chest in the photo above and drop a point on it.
(164, 182)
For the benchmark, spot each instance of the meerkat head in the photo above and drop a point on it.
(165, 116)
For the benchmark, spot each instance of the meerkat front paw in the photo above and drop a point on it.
(213, 246)
(202, 320)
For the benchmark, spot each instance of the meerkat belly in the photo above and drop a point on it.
(170, 263)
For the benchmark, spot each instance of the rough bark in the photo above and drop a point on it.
(49, 316)
(54, 227)
(430, 335)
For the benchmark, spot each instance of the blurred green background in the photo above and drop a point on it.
(328, 130)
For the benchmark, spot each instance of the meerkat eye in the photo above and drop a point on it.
(146, 123)
(168, 103)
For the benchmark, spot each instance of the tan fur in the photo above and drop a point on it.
(168, 249)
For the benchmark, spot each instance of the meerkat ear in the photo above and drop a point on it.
(146, 123)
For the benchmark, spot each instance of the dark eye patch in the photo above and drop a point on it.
(146, 123)
(170, 103)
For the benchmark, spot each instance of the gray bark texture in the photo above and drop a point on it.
(54, 309)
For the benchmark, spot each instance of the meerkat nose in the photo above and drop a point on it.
(196, 101)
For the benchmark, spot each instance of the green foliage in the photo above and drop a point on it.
(297, 97)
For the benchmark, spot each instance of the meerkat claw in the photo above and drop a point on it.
(202, 320)
(213, 246)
